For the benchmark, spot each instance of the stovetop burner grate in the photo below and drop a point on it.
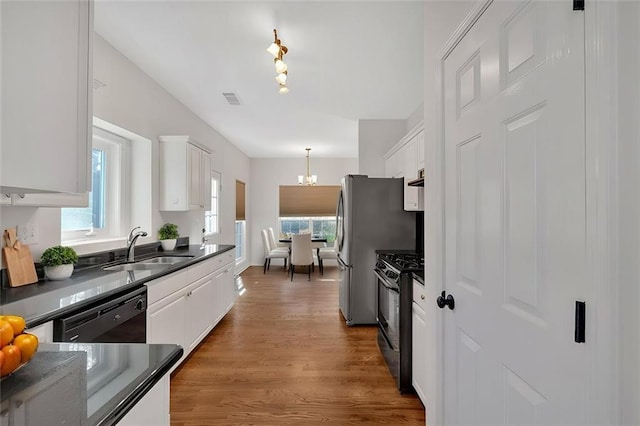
(404, 262)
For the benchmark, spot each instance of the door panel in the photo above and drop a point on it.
(515, 217)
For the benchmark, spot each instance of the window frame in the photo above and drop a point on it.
(216, 186)
(310, 220)
(117, 159)
(243, 244)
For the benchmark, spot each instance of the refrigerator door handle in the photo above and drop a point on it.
(342, 263)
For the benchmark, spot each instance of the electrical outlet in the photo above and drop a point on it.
(27, 234)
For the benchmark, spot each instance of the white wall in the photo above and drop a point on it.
(629, 210)
(375, 138)
(441, 18)
(268, 174)
(415, 117)
(133, 101)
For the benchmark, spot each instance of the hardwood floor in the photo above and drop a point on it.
(284, 356)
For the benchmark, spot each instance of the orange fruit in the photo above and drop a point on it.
(11, 359)
(28, 344)
(1, 359)
(16, 322)
(6, 333)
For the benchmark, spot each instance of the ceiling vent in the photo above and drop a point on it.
(231, 98)
(97, 84)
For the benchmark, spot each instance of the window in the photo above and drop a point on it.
(309, 209)
(319, 227)
(211, 217)
(241, 233)
(103, 217)
(240, 238)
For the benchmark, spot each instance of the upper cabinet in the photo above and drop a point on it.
(420, 147)
(46, 96)
(185, 175)
(405, 160)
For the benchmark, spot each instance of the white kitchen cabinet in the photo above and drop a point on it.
(185, 175)
(404, 160)
(419, 341)
(410, 172)
(227, 294)
(57, 397)
(46, 96)
(166, 321)
(152, 409)
(186, 305)
(201, 310)
(51, 200)
(420, 149)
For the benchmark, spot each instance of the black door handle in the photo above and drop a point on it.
(443, 301)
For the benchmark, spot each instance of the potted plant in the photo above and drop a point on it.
(168, 236)
(58, 262)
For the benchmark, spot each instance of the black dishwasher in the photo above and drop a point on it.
(122, 319)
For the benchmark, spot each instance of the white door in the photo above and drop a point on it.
(515, 218)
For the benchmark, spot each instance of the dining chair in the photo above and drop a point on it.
(301, 253)
(326, 253)
(270, 253)
(274, 242)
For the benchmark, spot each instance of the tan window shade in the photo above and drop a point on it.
(240, 215)
(305, 201)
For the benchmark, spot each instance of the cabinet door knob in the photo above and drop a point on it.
(422, 296)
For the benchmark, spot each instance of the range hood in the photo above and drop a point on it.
(419, 181)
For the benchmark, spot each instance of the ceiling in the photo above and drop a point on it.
(348, 60)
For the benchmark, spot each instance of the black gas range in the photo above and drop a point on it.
(393, 263)
(393, 271)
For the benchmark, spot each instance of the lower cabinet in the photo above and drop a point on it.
(166, 321)
(152, 409)
(226, 288)
(55, 397)
(186, 305)
(201, 314)
(419, 342)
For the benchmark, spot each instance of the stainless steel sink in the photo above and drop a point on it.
(149, 264)
(135, 267)
(164, 260)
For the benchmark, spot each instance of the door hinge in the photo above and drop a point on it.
(578, 4)
(580, 319)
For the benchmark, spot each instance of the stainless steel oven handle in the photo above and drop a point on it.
(382, 279)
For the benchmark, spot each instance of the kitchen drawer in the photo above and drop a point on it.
(224, 259)
(164, 286)
(209, 266)
(419, 294)
(203, 268)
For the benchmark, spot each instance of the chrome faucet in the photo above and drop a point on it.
(131, 240)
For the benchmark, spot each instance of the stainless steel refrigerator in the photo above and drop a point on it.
(370, 217)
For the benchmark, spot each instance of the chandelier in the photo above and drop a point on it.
(278, 50)
(309, 179)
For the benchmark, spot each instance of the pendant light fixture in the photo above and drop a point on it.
(309, 179)
(278, 50)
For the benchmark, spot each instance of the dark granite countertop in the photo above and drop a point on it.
(47, 300)
(84, 383)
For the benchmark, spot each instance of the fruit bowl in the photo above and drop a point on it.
(17, 348)
(18, 368)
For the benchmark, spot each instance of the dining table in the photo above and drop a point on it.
(313, 240)
(316, 242)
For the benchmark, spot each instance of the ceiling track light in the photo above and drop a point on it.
(278, 50)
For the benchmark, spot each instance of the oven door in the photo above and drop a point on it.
(388, 311)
